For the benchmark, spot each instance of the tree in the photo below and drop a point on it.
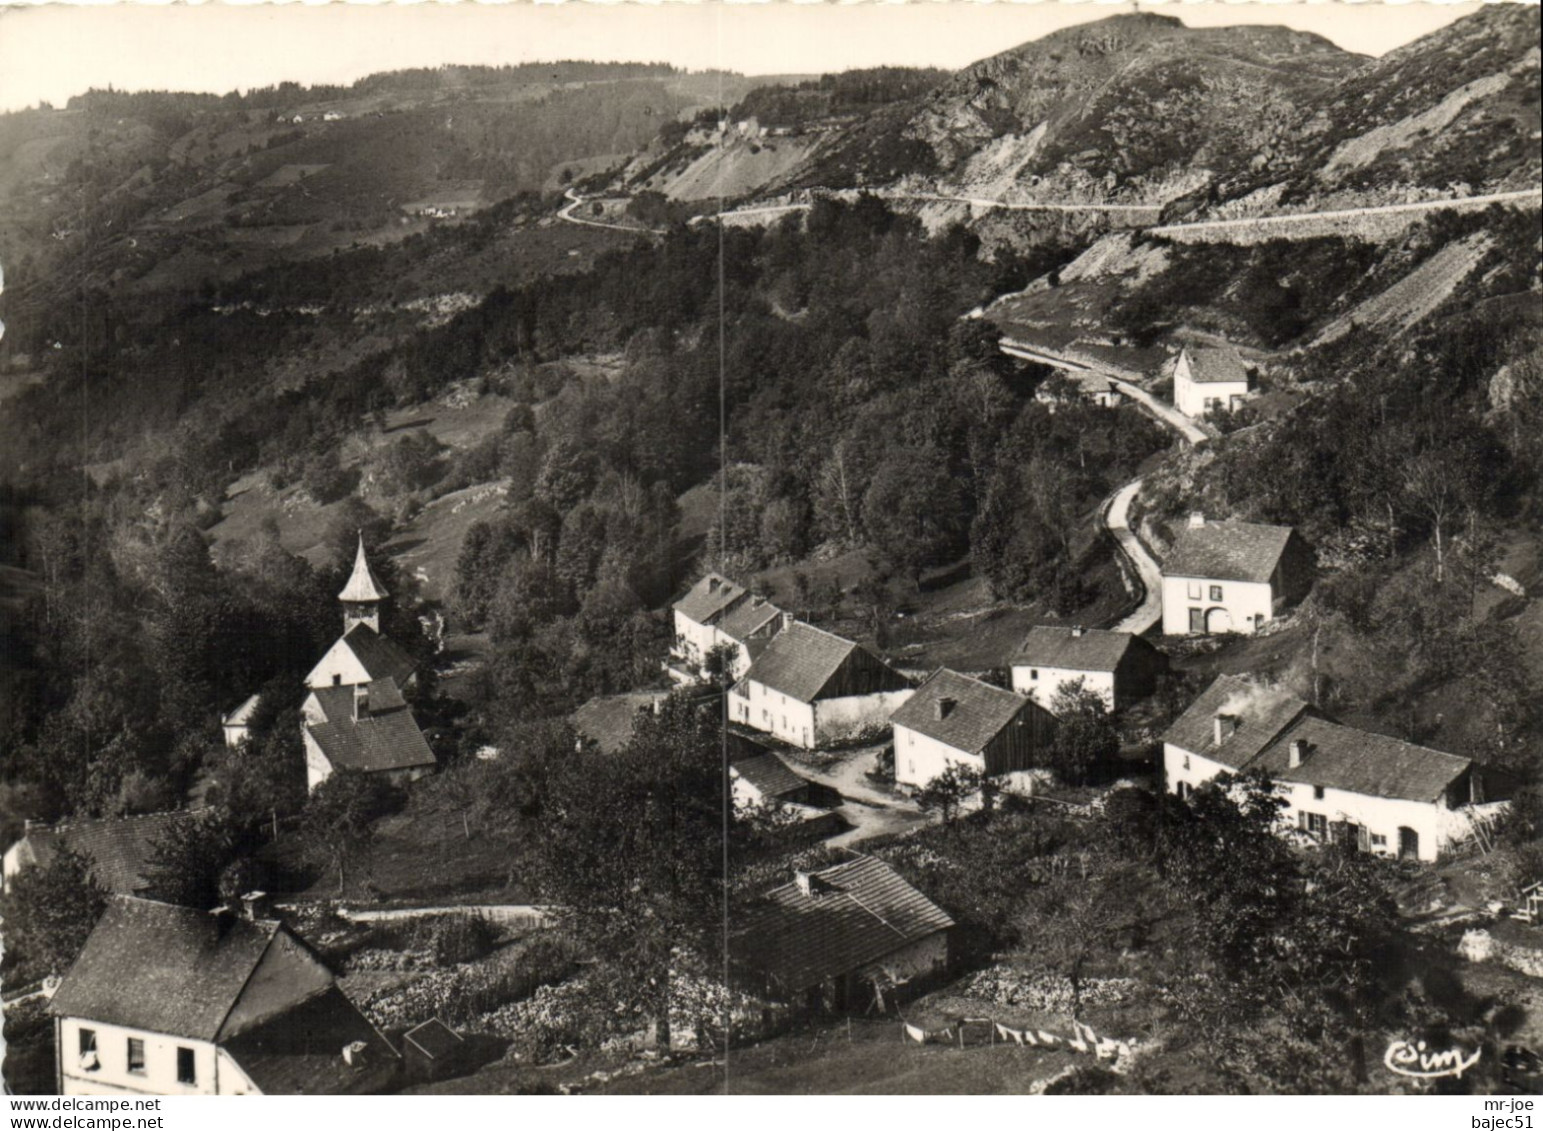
(187, 859)
(946, 793)
(340, 816)
(49, 912)
(632, 849)
(1085, 734)
(916, 512)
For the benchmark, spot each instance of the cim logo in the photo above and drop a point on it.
(1421, 1063)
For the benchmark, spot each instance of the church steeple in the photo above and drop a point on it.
(362, 595)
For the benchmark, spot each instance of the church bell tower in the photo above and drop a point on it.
(362, 595)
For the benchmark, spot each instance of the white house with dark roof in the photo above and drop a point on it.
(1232, 576)
(826, 940)
(367, 728)
(174, 1001)
(1380, 793)
(1119, 666)
(1208, 378)
(955, 720)
(118, 849)
(237, 725)
(810, 687)
(715, 613)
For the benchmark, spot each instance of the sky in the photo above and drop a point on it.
(50, 51)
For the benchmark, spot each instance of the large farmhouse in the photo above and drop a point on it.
(810, 687)
(1379, 793)
(834, 939)
(1232, 576)
(1119, 666)
(118, 849)
(718, 613)
(173, 1001)
(954, 720)
(1207, 379)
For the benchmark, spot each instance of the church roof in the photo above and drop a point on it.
(385, 736)
(362, 585)
(380, 657)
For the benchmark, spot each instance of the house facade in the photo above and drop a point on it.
(718, 613)
(1381, 794)
(1207, 379)
(237, 725)
(1232, 576)
(810, 688)
(166, 1000)
(954, 720)
(1119, 666)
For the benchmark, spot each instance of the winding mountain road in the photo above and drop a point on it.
(574, 200)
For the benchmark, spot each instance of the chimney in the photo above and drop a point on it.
(255, 905)
(1196, 519)
(361, 701)
(946, 706)
(787, 622)
(1225, 726)
(805, 882)
(353, 1053)
(222, 917)
(1295, 753)
(712, 585)
(1078, 630)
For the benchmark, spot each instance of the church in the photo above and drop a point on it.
(356, 717)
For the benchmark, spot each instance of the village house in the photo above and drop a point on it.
(955, 720)
(1232, 576)
(1206, 379)
(810, 688)
(745, 632)
(1119, 666)
(171, 1001)
(1384, 795)
(362, 654)
(608, 721)
(238, 724)
(696, 615)
(842, 937)
(764, 783)
(356, 717)
(118, 849)
(1079, 384)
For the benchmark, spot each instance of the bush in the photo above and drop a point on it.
(454, 939)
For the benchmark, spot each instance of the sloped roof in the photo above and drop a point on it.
(300, 1052)
(1215, 365)
(609, 720)
(1082, 650)
(435, 1039)
(801, 660)
(118, 848)
(243, 712)
(1357, 761)
(748, 618)
(386, 737)
(362, 585)
(980, 711)
(708, 598)
(862, 911)
(380, 658)
(769, 774)
(1227, 551)
(1261, 713)
(157, 966)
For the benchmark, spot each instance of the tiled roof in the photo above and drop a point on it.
(1261, 713)
(156, 966)
(118, 848)
(1357, 761)
(980, 711)
(1227, 551)
(609, 720)
(769, 774)
(1214, 365)
(708, 598)
(748, 618)
(380, 658)
(802, 660)
(385, 737)
(1084, 650)
(435, 1039)
(861, 911)
(362, 585)
(243, 713)
(300, 1052)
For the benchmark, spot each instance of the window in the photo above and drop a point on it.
(1197, 620)
(1317, 793)
(1186, 761)
(1195, 591)
(1033, 673)
(1379, 841)
(1315, 825)
(186, 1074)
(136, 1055)
(1216, 592)
(337, 680)
(88, 1059)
